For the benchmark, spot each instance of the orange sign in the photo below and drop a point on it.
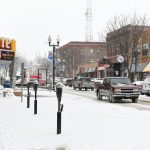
(7, 48)
(7, 44)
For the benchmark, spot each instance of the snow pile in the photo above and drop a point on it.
(86, 125)
(6, 92)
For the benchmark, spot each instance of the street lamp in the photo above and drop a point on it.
(54, 48)
(135, 61)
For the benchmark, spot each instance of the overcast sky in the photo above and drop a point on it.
(31, 21)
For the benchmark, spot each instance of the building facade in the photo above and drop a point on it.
(132, 43)
(81, 58)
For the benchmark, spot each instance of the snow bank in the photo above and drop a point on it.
(86, 125)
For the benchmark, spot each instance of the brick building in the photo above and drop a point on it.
(131, 42)
(81, 58)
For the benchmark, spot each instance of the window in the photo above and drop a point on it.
(145, 45)
(144, 52)
(145, 49)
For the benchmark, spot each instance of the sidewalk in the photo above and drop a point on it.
(85, 124)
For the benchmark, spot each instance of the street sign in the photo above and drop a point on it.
(6, 55)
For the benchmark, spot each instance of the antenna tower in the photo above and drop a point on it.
(88, 28)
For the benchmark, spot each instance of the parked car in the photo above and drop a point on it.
(18, 82)
(31, 82)
(117, 88)
(6, 84)
(83, 83)
(98, 81)
(138, 83)
(69, 82)
(146, 86)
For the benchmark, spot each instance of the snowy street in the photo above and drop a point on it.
(86, 125)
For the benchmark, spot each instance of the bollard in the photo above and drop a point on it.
(59, 87)
(28, 96)
(35, 101)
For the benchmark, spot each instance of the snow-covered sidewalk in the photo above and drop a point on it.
(86, 125)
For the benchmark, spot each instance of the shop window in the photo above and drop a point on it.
(145, 49)
(144, 52)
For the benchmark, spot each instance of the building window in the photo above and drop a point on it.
(145, 49)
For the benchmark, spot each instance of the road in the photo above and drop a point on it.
(142, 104)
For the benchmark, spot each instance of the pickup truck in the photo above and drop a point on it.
(117, 88)
(83, 83)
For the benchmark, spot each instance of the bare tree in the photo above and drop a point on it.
(6, 67)
(123, 34)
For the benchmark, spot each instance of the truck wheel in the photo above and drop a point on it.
(111, 98)
(79, 88)
(99, 96)
(134, 100)
(74, 87)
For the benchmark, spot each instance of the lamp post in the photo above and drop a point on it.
(135, 61)
(54, 48)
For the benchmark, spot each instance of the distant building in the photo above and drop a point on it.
(80, 58)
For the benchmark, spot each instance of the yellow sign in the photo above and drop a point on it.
(7, 48)
(6, 43)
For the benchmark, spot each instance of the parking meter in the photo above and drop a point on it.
(35, 85)
(35, 101)
(28, 96)
(59, 87)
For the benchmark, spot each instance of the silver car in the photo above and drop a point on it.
(146, 86)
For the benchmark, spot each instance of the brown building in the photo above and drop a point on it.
(132, 43)
(81, 58)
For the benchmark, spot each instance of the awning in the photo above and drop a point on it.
(86, 70)
(147, 68)
(140, 67)
(101, 68)
(92, 69)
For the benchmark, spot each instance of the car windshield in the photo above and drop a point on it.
(120, 80)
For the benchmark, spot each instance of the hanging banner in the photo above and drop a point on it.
(50, 56)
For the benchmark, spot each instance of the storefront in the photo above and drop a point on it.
(140, 70)
(88, 70)
(146, 71)
(102, 70)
